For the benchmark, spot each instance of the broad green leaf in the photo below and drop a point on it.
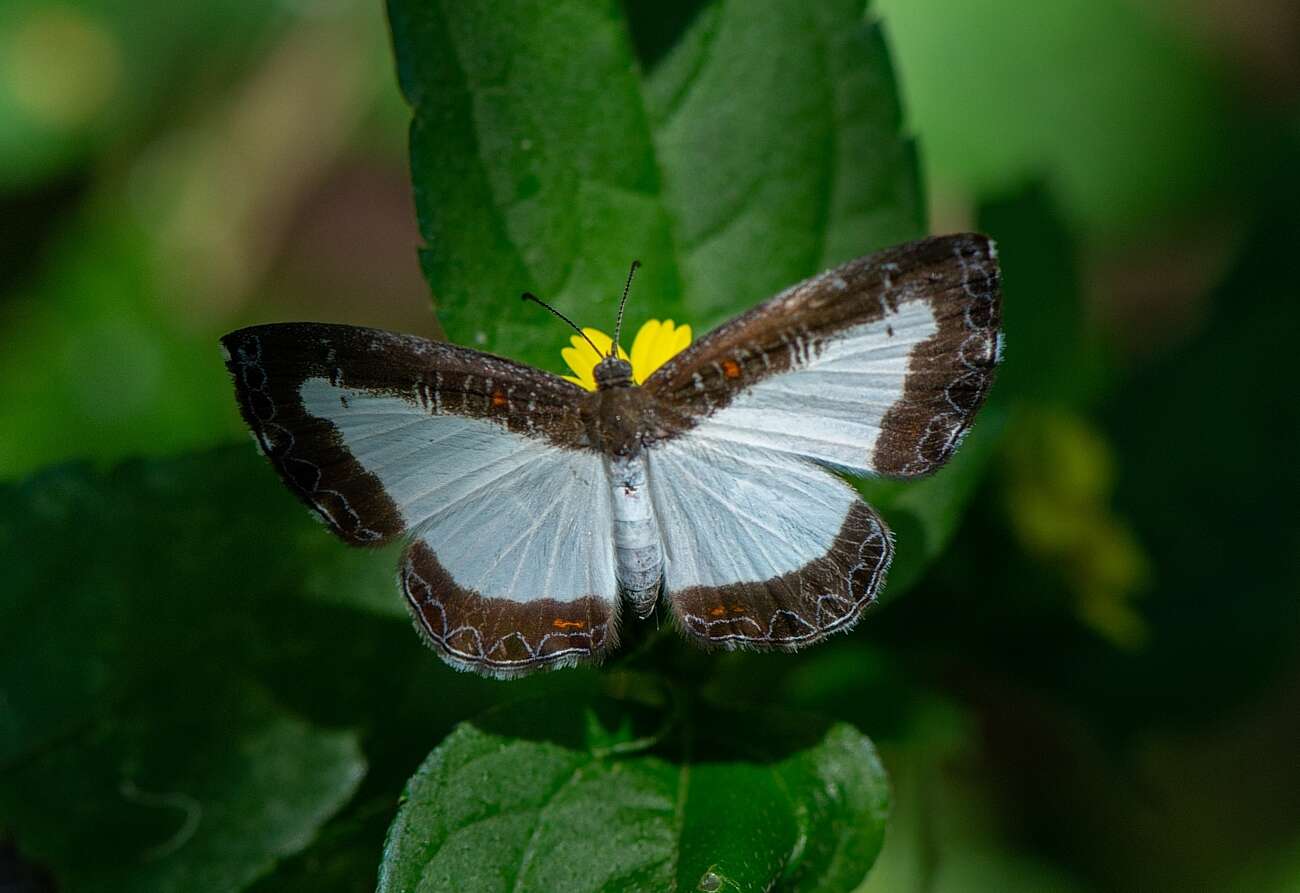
(749, 147)
(198, 784)
(136, 750)
(600, 796)
(157, 566)
(739, 150)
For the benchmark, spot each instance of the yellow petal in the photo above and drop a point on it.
(681, 339)
(580, 363)
(657, 343)
(643, 349)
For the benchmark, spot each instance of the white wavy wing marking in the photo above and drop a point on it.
(508, 516)
(829, 407)
(740, 514)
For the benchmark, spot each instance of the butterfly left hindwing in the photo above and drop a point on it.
(474, 458)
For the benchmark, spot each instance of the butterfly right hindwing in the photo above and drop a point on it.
(763, 550)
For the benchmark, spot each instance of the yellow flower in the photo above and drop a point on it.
(656, 343)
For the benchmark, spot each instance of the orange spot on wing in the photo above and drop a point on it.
(731, 369)
(560, 623)
(498, 399)
(717, 611)
(738, 609)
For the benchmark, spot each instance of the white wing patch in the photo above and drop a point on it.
(830, 405)
(741, 514)
(508, 516)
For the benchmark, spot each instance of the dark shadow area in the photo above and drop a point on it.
(656, 27)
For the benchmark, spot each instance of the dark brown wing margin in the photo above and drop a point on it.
(800, 608)
(497, 636)
(270, 363)
(948, 376)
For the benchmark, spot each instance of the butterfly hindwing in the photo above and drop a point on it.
(875, 367)
(474, 459)
(534, 530)
(763, 550)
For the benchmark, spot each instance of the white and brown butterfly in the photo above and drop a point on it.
(533, 509)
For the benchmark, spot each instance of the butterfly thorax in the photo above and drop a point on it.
(622, 417)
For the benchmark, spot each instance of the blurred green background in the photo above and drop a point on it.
(1097, 686)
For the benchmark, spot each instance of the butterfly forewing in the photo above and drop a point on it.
(477, 460)
(875, 367)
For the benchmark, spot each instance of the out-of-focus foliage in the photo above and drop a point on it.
(87, 78)
(189, 208)
(1085, 674)
(1123, 118)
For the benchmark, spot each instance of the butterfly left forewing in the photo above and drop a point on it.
(477, 460)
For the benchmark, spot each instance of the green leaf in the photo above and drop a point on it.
(749, 147)
(196, 786)
(599, 795)
(136, 749)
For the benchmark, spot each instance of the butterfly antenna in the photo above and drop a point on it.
(618, 326)
(529, 296)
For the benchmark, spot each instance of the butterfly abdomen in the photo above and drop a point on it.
(638, 550)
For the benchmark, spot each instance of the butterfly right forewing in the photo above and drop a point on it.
(875, 367)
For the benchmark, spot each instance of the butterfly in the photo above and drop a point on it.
(535, 512)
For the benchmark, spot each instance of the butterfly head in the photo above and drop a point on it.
(613, 372)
